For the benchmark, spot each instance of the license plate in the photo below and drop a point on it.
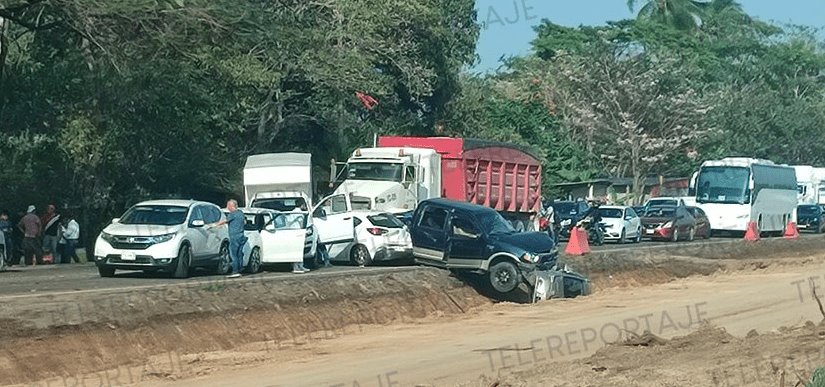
(649, 231)
(128, 257)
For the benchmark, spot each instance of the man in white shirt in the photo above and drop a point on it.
(71, 235)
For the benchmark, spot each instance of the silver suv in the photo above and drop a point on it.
(164, 235)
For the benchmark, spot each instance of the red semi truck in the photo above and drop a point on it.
(402, 171)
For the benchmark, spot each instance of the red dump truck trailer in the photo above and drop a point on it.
(493, 174)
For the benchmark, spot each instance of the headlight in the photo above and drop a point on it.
(668, 225)
(163, 238)
(530, 258)
(107, 237)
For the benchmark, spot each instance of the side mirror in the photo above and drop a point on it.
(115, 220)
(320, 213)
(198, 223)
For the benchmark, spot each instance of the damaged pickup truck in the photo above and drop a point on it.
(466, 237)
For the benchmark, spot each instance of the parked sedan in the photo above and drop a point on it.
(810, 217)
(671, 223)
(621, 224)
(702, 223)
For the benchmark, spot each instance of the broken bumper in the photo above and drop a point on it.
(556, 283)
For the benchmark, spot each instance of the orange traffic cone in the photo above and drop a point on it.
(577, 245)
(583, 240)
(791, 232)
(752, 234)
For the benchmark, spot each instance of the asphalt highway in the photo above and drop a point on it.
(47, 280)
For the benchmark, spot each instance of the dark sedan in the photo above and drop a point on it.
(702, 222)
(669, 223)
(810, 217)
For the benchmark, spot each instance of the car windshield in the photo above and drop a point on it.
(281, 204)
(493, 223)
(376, 171)
(157, 215)
(610, 213)
(807, 210)
(290, 221)
(385, 220)
(565, 208)
(660, 212)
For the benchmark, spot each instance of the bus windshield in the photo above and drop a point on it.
(376, 171)
(722, 185)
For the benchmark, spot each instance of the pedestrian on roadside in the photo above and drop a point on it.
(236, 221)
(30, 226)
(51, 232)
(69, 239)
(6, 228)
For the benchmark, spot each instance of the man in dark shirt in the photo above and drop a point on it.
(31, 227)
(237, 239)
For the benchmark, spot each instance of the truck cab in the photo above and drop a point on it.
(393, 180)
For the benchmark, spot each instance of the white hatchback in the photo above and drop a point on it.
(378, 237)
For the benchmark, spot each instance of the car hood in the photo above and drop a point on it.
(140, 229)
(532, 242)
(613, 222)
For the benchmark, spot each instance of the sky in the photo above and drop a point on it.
(509, 23)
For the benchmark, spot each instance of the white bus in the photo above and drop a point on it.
(736, 191)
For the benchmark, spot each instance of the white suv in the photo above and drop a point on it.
(167, 235)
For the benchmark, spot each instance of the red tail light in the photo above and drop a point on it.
(376, 231)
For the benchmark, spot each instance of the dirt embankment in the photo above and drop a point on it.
(128, 328)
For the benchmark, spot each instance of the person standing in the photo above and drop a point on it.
(6, 228)
(236, 220)
(30, 226)
(70, 237)
(51, 232)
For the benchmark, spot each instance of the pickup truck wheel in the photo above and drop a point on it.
(504, 277)
(183, 262)
(360, 256)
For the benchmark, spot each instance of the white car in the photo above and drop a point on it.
(164, 235)
(254, 221)
(378, 237)
(621, 224)
(294, 206)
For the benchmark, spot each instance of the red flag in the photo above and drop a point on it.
(367, 100)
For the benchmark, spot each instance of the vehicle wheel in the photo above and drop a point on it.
(622, 237)
(691, 234)
(360, 256)
(184, 262)
(106, 271)
(254, 265)
(674, 237)
(504, 277)
(638, 236)
(706, 235)
(224, 265)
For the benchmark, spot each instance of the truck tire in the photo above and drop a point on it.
(504, 277)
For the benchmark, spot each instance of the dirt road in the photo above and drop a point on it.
(505, 338)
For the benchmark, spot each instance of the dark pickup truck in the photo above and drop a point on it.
(461, 236)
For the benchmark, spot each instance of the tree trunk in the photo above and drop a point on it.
(4, 49)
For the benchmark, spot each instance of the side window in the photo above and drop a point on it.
(409, 174)
(211, 215)
(197, 214)
(464, 227)
(338, 205)
(631, 213)
(357, 221)
(434, 218)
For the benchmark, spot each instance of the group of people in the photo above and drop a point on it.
(33, 239)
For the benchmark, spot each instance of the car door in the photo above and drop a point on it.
(429, 234)
(197, 235)
(684, 220)
(465, 242)
(214, 235)
(283, 238)
(333, 220)
(702, 225)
